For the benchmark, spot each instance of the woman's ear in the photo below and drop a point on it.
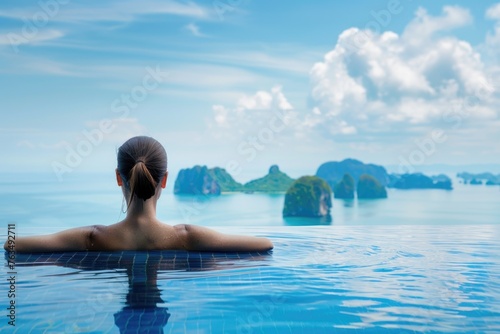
(164, 180)
(119, 180)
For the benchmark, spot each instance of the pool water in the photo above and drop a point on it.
(318, 279)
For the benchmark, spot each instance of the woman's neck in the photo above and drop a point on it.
(141, 210)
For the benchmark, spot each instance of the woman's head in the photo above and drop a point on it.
(142, 163)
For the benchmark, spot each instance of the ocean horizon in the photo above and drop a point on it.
(36, 203)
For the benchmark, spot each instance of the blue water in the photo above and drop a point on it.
(420, 261)
(41, 201)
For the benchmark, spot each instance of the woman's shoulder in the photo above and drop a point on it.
(103, 237)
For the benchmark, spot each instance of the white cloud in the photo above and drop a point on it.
(263, 100)
(493, 12)
(491, 47)
(194, 29)
(259, 101)
(220, 115)
(384, 83)
(425, 26)
(253, 112)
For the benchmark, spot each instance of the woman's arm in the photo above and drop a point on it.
(198, 238)
(75, 239)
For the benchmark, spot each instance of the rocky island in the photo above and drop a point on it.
(344, 177)
(488, 178)
(333, 171)
(274, 181)
(309, 196)
(345, 188)
(419, 181)
(369, 188)
(196, 181)
(225, 180)
(200, 180)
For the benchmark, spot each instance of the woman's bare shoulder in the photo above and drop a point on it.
(200, 238)
(171, 237)
(104, 237)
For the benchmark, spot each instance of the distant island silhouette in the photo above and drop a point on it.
(420, 181)
(311, 196)
(487, 178)
(201, 180)
(333, 171)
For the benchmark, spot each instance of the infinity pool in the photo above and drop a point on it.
(319, 279)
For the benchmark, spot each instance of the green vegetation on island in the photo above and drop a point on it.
(201, 180)
(341, 176)
(333, 171)
(345, 188)
(369, 187)
(198, 180)
(225, 180)
(308, 196)
(274, 181)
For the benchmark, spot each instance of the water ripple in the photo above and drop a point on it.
(319, 279)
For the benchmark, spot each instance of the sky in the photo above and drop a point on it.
(244, 84)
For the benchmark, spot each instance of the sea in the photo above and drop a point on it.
(420, 261)
(39, 203)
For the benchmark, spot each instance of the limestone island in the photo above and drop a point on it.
(274, 181)
(369, 188)
(309, 196)
(345, 188)
(334, 171)
(419, 181)
(200, 180)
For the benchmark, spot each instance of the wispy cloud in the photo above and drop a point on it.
(15, 38)
(114, 11)
(493, 12)
(27, 64)
(204, 75)
(294, 60)
(194, 29)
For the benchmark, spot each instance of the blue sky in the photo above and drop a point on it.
(246, 84)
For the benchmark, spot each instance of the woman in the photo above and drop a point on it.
(141, 173)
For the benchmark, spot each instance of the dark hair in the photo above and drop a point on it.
(142, 162)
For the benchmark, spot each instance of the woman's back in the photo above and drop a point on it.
(141, 174)
(140, 236)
